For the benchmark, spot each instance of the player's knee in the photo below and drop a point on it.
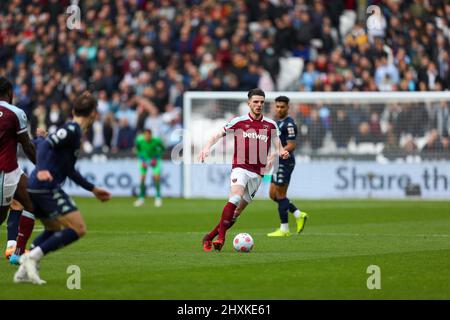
(273, 195)
(81, 230)
(235, 199)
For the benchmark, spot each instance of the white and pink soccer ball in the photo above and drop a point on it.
(243, 242)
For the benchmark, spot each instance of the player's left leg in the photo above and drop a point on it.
(73, 229)
(15, 212)
(207, 240)
(54, 205)
(278, 193)
(21, 275)
(27, 219)
(142, 189)
(253, 181)
(156, 170)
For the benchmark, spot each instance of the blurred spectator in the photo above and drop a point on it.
(386, 75)
(316, 130)
(309, 77)
(364, 134)
(125, 136)
(55, 118)
(375, 127)
(441, 118)
(159, 49)
(39, 118)
(410, 146)
(433, 143)
(340, 129)
(97, 137)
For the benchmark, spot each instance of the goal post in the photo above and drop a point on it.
(375, 126)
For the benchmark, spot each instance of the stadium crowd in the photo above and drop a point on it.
(139, 57)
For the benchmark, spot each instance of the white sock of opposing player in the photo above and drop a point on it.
(284, 227)
(36, 253)
(11, 243)
(297, 213)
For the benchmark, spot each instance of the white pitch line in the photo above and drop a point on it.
(327, 234)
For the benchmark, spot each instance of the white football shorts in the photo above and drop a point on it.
(249, 180)
(8, 185)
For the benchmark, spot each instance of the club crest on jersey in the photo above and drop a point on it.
(234, 180)
(61, 133)
(254, 135)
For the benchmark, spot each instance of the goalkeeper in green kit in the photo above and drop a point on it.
(149, 150)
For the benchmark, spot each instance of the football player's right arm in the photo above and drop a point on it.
(291, 137)
(43, 152)
(211, 142)
(63, 137)
(229, 127)
(27, 146)
(22, 135)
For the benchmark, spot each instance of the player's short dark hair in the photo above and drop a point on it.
(148, 130)
(84, 105)
(256, 92)
(282, 99)
(6, 87)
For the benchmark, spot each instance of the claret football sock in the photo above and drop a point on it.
(13, 225)
(226, 219)
(26, 225)
(213, 233)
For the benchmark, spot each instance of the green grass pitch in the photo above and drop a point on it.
(156, 253)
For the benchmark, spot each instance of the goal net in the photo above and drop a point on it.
(378, 127)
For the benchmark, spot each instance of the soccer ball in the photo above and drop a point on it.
(243, 242)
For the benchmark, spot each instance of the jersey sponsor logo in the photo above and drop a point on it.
(1, 114)
(254, 135)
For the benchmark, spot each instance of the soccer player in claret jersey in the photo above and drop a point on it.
(56, 158)
(253, 136)
(13, 182)
(282, 177)
(149, 151)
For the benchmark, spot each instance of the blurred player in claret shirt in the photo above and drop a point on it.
(13, 182)
(253, 136)
(56, 158)
(282, 177)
